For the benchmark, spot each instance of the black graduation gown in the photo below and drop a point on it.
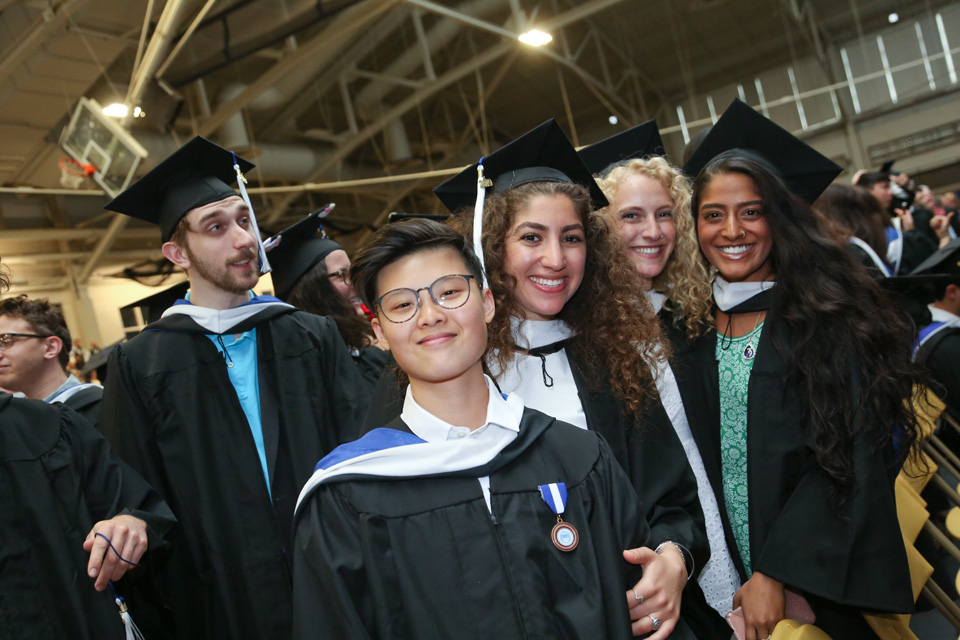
(423, 558)
(652, 456)
(173, 414)
(862, 257)
(916, 248)
(87, 404)
(843, 563)
(371, 360)
(58, 478)
(940, 356)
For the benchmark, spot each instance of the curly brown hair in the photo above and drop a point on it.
(616, 328)
(686, 278)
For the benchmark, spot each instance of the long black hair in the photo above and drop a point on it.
(851, 350)
(315, 294)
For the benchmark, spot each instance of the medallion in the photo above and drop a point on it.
(565, 536)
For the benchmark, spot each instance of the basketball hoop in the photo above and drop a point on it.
(73, 173)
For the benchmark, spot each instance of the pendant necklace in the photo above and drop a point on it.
(750, 351)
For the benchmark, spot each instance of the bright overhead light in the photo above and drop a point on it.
(893, 18)
(116, 110)
(535, 38)
(139, 113)
(613, 120)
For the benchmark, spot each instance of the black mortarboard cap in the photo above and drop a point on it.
(543, 154)
(636, 142)
(196, 174)
(943, 265)
(153, 306)
(296, 249)
(743, 131)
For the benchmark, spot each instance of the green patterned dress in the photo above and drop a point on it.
(735, 357)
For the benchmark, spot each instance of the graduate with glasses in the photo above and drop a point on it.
(468, 516)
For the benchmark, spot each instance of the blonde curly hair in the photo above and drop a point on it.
(686, 278)
(617, 331)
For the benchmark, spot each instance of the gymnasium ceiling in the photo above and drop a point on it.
(340, 94)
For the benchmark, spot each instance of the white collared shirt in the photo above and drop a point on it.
(502, 425)
(942, 315)
(525, 374)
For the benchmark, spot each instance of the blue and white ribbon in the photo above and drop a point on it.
(555, 495)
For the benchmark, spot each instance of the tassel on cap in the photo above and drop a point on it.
(482, 184)
(261, 251)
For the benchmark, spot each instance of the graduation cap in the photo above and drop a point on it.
(296, 249)
(742, 131)
(197, 174)
(543, 154)
(153, 306)
(637, 142)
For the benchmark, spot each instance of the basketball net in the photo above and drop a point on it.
(73, 173)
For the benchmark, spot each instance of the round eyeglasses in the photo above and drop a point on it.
(448, 292)
(343, 273)
(7, 339)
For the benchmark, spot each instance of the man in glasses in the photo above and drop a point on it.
(469, 515)
(34, 350)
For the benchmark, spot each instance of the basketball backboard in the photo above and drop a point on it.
(93, 138)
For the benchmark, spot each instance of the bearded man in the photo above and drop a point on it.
(225, 404)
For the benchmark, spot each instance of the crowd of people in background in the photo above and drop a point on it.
(610, 397)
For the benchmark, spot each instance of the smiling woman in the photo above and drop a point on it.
(799, 400)
(650, 204)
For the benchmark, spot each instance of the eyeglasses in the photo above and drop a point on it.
(7, 339)
(343, 273)
(401, 305)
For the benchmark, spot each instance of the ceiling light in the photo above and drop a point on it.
(613, 120)
(535, 38)
(893, 18)
(116, 110)
(139, 113)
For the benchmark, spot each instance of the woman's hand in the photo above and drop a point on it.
(763, 603)
(659, 590)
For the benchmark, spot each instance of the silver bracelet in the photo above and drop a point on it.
(684, 554)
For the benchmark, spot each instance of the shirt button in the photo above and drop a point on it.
(461, 434)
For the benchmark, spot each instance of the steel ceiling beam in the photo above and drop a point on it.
(330, 77)
(52, 235)
(51, 21)
(327, 44)
(34, 258)
(477, 62)
(392, 114)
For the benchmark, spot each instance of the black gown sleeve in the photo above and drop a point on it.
(851, 555)
(328, 571)
(127, 424)
(370, 361)
(349, 391)
(113, 488)
(944, 366)
(916, 248)
(662, 477)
